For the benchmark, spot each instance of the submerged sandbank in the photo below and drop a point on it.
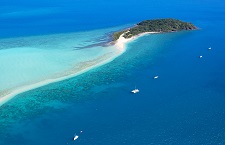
(82, 67)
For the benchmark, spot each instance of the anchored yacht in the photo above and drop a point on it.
(75, 137)
(135, 90)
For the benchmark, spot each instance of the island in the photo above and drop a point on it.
(154, 26)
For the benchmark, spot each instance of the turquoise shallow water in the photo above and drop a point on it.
(28, 60)
(185, 105)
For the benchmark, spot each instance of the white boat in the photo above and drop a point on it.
(209, 48)
(156, 77)
(200, 56)
(135, 90)
(75, 137)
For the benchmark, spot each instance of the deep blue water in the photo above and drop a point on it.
(185, 105)
(38, 17)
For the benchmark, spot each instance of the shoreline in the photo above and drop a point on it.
(120, 45)
(121, 42)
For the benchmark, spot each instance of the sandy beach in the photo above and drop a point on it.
(121, 42)
(120, 45)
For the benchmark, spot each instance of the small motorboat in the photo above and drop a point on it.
(156, 77)
(209, 48)
(135, 90)
(75, 137)
(200, 56)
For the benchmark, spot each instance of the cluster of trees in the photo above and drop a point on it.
(116, 35)
(158, 25)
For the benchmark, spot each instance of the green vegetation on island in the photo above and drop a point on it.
(116, 35)
(157, 25)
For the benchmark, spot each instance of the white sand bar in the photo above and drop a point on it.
(27, 68)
